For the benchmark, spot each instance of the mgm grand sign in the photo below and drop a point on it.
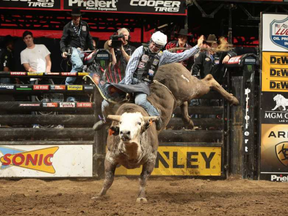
(274, 108)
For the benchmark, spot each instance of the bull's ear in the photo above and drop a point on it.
(147, 125)
(114, 130)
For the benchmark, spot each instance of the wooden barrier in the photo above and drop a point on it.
(16, 119)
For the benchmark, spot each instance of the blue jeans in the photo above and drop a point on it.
(141, 100)
(77, 65)
(106, 108)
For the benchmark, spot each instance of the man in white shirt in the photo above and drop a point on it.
(36, 57)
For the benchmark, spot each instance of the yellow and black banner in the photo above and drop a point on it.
(183, 161)
(274, 72)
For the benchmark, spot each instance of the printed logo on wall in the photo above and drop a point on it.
(130, 6)
(39, 160)
(46, 161)
(278, 32)
(274, 108)
(282, 152)
(31, 3)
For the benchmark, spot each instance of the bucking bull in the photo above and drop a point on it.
(135, 138)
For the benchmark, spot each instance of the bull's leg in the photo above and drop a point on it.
(109, 177)
(146, 172)
(212, 83)
(185, 115)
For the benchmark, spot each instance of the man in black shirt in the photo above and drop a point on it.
(211, 60)
(6, 58)
(76, 35)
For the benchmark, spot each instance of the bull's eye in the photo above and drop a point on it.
(120, 122)
(139, 123)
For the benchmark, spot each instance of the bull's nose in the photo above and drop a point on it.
(125, 135)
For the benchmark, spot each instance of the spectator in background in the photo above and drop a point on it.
(36, 57)
(121, 52)
(120, 56)
(209, 61)
(181, 42)
(76, 36)
(7, 58)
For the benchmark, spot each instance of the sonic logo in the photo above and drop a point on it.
(279, 32)
(282, 152)
(40, 160)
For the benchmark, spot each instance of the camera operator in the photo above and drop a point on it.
(121, 50)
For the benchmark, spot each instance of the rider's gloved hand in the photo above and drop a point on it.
(64, 54)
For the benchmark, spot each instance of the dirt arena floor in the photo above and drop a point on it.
(166, 196)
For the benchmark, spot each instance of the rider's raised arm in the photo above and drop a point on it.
(169, 57)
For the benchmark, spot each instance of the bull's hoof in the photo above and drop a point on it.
(96, 197)
(141, 200)
(235, 102)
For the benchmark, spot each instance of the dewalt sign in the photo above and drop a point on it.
(183, 161)
(274, 72)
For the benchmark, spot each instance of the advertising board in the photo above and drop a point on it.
(46, 161)
(183, 161)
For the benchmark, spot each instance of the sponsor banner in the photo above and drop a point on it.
(69, 73)
(67, 104)
(130, 6)
(234, 60)
(183, 161)
(275, 29)
(35, 73)
(274, 72)
(18, 73)
(274, 108)
(31, 4)
(50, 104)
(24, 87)
(82, 73)
(46, 161)
(84, 105)
(40, 87)
(30, 105)
(58, 87)
(75, 87)
(52, 73)
(250, 1)
(274, 149)
(7, 87)
(88, 87)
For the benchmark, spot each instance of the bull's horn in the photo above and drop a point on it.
(114, 117)
(153, 118)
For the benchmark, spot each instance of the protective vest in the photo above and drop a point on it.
(148, 65)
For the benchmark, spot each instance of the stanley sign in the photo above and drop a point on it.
(183, 161)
